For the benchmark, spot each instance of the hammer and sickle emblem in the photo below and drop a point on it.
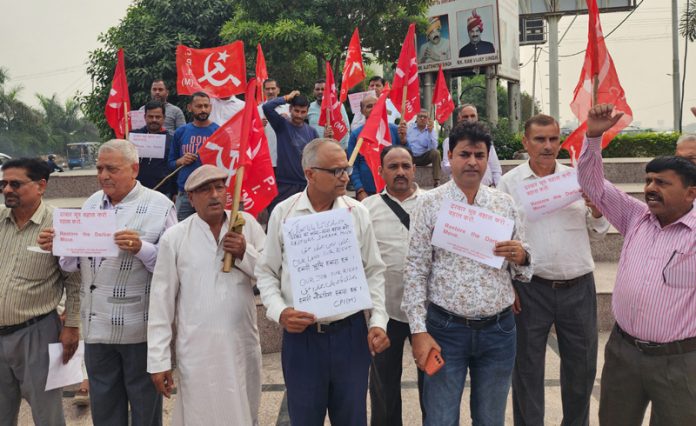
(218, 68)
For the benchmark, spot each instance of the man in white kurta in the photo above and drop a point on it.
(217, 340)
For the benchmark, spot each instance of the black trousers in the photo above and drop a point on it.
(385, 378)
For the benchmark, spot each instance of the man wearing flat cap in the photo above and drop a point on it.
(476, 46)
(436, 48)
(217, 340)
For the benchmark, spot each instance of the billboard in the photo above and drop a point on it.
(571, 7)
(466, 34)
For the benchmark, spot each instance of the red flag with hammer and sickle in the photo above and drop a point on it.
(406, 85)
(219, 71)
(241, 141)
(442, 100)
(376, 136)
(119, 100)
(332, 107)
(353, 70)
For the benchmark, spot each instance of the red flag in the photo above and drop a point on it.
(219, 71)
(406, 78)
(598, 63)
(261, 74)
(331, 105)
(376, 136)
(119, 101)
(442, 100)
(241, 141)
(353, 70)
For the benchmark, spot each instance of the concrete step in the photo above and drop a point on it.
(605, 277)
(609, 248)
(72, 184)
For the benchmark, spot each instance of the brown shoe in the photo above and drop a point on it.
(81, 398)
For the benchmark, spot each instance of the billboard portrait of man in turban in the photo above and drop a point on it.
(436, 47)
(476, 46)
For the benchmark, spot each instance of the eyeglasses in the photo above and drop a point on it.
(337, 172)
(14, 184)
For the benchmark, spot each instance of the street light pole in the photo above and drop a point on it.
(676, 90)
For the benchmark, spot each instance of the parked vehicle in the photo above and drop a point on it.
(82, 154)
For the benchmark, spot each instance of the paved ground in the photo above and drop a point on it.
(274, 410)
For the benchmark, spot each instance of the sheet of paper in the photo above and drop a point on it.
(60, 374)
(84, 233)
(149, 145)
(541, 197)
(137, 118)
(355, 98)
(326, 268)
(471, 232)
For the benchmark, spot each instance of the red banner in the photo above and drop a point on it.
(376, 135)
(406, 84)
(442, 100)
(331, 107)
(219, 71)
(353, 69)
(241, 141)
(261, 74)
(118, 104)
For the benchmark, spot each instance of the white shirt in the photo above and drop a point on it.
(273, 275)
(392, 115)
(223, 110)
(270, 133)
(392, 238)
(560, 241)
(493, 172)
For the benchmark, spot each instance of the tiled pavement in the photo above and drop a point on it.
(274, 412)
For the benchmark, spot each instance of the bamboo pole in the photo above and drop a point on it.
(169, 176)
(354, 155)
(236, 222)
(125, 119)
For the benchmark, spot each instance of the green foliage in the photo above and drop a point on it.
(687, 23)
(647, 144)
(506, 142)
(149, 34)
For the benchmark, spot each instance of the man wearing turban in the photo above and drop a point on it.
(436, 48)
(476, 46)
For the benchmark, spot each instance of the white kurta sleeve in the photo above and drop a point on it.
(255, 239)
(269, 269)
(164, 289)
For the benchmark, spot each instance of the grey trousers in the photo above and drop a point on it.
(631, 379)
(118, 377)
(431, 157)
(23, 372)
(573, 311)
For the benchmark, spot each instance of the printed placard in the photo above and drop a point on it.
(150, 145)
(471, 232)
(137, 119)
(541, 197)
(326, 268)
(84, 233)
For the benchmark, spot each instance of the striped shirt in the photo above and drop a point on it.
(655, 293)
(31, 283)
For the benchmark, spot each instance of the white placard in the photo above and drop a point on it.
(60, 374)
(84, 233)
(541, 197)
(150, 145)
(326, 268)
(356, 98)
(137, 119)
(471, 232)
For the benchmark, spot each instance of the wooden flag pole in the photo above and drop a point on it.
(169, 176)
(354, 155)
(236, 221)
(125, 119)
(403, 101)
(595, 89)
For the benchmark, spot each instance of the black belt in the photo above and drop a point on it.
(475, 323)
(560, 283)
(335, 325)
(9, 329)
(651, 348)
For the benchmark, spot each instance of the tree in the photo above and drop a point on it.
(64, 124)
(687, 26)
(299, 36)
(149, 34)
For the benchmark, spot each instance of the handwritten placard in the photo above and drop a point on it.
(326, 268)
(84, 233)
(150, 145)
(137, 119)
(471, 232)
(541, 197)
(356, 98)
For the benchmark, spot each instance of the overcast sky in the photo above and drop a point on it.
(45, 47)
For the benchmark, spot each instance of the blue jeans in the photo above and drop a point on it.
(183, 206)
(488, 352)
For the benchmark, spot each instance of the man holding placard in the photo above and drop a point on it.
(31, 286)
(465, 248)
(390, 213)
(213, 311)
(319, 271)
(154, 153)
(115, 307)
(562, 290)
